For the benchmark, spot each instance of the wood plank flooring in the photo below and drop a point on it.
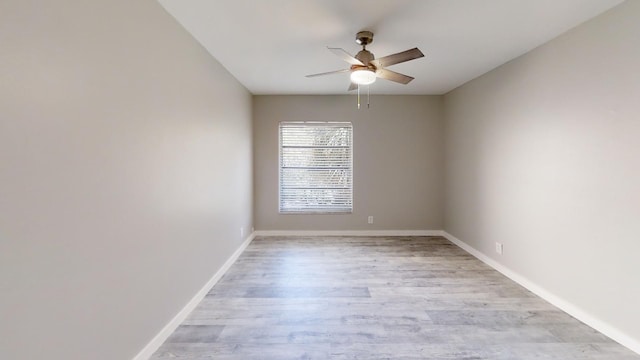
(376, 298)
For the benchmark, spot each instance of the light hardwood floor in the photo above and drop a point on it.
(376, 298)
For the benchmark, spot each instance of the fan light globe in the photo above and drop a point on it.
(363, 77)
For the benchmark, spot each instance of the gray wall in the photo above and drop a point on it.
(125, 171)
(543, 155)
(397, 161)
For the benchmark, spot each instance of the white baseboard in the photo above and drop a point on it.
(348, 233)
(557, 301)
(162, 336)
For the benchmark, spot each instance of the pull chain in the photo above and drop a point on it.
(368, 97)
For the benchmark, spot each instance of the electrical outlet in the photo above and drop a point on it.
(499, 248)
(370, 220)
(241, 231)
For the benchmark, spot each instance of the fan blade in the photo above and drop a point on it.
(353, 86)
(393, 76)
(345, 56)
(397, 58)
(329, 73)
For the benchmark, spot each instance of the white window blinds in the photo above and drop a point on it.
(316, 167)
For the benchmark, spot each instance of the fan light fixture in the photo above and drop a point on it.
(363, 77)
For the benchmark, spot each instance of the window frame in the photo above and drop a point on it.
(317, 211)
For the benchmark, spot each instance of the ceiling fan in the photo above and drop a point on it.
(365, 68)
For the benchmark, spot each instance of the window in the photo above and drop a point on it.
(316, 167)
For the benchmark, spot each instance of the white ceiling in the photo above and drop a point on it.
(270, 45)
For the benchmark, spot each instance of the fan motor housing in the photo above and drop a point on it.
(365, 56)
